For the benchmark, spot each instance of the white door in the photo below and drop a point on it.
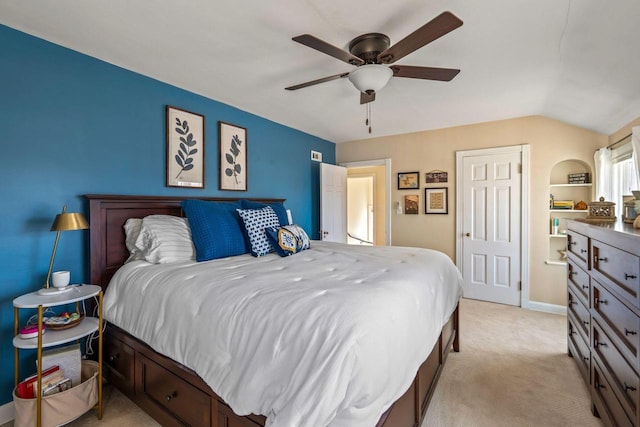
(333, 203)
(491, 197)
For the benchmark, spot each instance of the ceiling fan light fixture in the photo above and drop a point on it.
(370, 77)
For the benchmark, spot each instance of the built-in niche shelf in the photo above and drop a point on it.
(560, 188)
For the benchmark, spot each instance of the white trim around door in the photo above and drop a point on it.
(387, 164)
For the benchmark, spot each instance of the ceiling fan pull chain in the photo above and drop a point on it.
(369, 115)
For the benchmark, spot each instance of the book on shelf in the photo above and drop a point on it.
(26, 387)
(56, 387)
(563, 204)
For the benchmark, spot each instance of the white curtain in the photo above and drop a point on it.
(635, 143)
(603, 173)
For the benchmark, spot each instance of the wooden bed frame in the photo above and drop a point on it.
(175, 395)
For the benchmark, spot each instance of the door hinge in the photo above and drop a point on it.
(519, 167)
(519, 285)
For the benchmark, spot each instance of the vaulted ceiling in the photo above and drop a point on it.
(577, 61)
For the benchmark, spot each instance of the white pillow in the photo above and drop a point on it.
(131, 233)
(164, 239)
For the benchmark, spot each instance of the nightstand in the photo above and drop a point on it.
(50, 338)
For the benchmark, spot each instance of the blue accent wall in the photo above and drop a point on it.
(71, 124)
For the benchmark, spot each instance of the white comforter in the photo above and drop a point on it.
(331, 336)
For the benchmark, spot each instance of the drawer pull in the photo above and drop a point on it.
(599, 343)
(573, 243)
(586, 322)
(573, 273)
(598, 385)
(605, 259)
(169, 397)
(586, 358)
(629, 276)
(583, 251)
(114, 357)
(628, 332)
(628, 387)
(602, 301)
(585, 286)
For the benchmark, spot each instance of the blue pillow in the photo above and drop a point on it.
(278, 208)
(288, 240)
(216, 229)
(256, 221)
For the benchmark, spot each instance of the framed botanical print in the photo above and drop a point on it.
(185, 148)
(233, 157)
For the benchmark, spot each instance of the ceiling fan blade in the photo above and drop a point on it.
(432, 30)
(318, 81)
(367, 97)
(329, 49)
(428, 73)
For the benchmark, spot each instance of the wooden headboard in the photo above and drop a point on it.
(107, 215)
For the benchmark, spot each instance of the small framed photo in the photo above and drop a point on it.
(436, 177)
(233, 157)
(411, 204)
(408, 180)
(436, 201)
(185, 148)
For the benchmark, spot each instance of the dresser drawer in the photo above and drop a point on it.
(580, 314)
(623, 380)
(605, 400)
(580, 281)
(579, 350)
(119, 360)
(623, 324)
(187, 404)
(620, 268)
(578, 245)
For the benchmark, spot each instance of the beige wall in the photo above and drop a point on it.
(550, 142)
(378, 172)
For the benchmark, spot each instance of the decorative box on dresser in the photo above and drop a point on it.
(603, 316)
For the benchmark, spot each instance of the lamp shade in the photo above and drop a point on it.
(69, 221)
(370, 77)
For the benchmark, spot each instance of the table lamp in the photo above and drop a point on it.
(64, 221)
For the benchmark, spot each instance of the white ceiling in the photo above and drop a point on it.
(573, 60)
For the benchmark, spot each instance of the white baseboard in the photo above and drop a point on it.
(547, 308)
(7, 413)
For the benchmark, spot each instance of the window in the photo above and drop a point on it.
(625, 177)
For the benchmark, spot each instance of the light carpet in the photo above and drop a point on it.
(513, 370)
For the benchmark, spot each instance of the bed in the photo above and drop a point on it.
(176, 395)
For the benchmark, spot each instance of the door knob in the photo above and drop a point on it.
(468, 234)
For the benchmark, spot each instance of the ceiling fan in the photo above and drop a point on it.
(372, 53)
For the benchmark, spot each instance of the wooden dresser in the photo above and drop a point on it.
(603, 316)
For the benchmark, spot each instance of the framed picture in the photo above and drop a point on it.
(408, 180)
(185, 148)
(435, 201)
(411, 204)
(233, 157)
(436, 176)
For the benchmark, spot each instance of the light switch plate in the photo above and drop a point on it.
(316, 156)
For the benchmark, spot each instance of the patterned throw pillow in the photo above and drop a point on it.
(255, 223)
(289, 239)
(278, 208)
